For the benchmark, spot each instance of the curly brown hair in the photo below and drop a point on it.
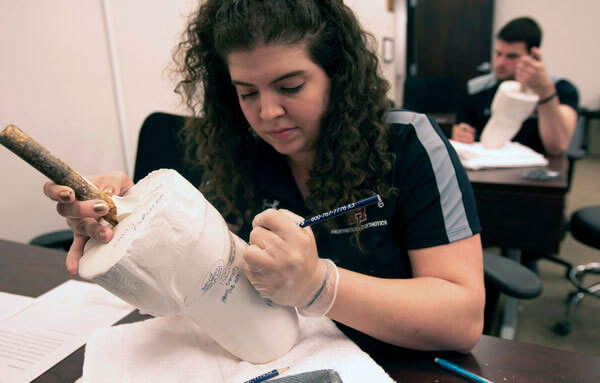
(352, 156)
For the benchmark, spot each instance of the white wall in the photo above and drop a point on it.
(144, 34)
(81, 76)
(375, 18)
(55, 80)
(570, 39)
(57, 85)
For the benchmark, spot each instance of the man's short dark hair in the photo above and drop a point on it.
(522, 29)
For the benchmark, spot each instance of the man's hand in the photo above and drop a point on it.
(531, 72)
(463, 133)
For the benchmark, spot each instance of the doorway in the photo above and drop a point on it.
(448, 43)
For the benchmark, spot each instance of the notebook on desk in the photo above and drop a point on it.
(45, 330)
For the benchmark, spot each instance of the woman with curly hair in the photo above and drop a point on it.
(293, 115)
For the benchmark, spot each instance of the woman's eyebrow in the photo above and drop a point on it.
(287, 75)
(282, 77)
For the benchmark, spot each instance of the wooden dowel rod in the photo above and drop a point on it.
(52, 167)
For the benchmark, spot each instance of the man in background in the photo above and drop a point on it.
(517, 56)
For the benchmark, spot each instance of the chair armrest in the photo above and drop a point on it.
(61, 239)
(510, 277)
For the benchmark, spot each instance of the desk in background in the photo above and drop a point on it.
(30, 270)
(445, 122)
(519, 213)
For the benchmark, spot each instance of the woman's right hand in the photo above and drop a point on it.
(83, 217)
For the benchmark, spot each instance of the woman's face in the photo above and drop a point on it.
(283, 95)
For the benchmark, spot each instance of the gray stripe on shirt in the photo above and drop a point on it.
(453, 209)
(481, 83)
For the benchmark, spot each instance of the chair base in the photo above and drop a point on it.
(508, 330)
(577, 276)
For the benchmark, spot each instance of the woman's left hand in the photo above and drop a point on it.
(282, 262)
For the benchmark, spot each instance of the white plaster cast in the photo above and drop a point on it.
(511, 106)
(172, 254)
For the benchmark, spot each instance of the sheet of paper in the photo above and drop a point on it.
(10, 304)
(53, 326)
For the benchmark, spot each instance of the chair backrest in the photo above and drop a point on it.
(159, 146)
(430, 94)
(578, 145)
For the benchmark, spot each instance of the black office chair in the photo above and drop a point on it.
(430, 94)
(577, 150)
(504, 276)
(584, 227)
(160, 147)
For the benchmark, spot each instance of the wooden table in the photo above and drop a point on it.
(519, 213)
(30, 270)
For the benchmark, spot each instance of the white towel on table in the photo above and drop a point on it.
(511, 155)
(174, 349)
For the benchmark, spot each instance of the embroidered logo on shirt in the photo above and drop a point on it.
(357, 216)
(269, 205)
(367, 225)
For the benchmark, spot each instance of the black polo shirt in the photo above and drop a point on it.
(477, 98)
(434, 205)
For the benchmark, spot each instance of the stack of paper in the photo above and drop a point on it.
(38, 333)
(511, 155)
(12, 304)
